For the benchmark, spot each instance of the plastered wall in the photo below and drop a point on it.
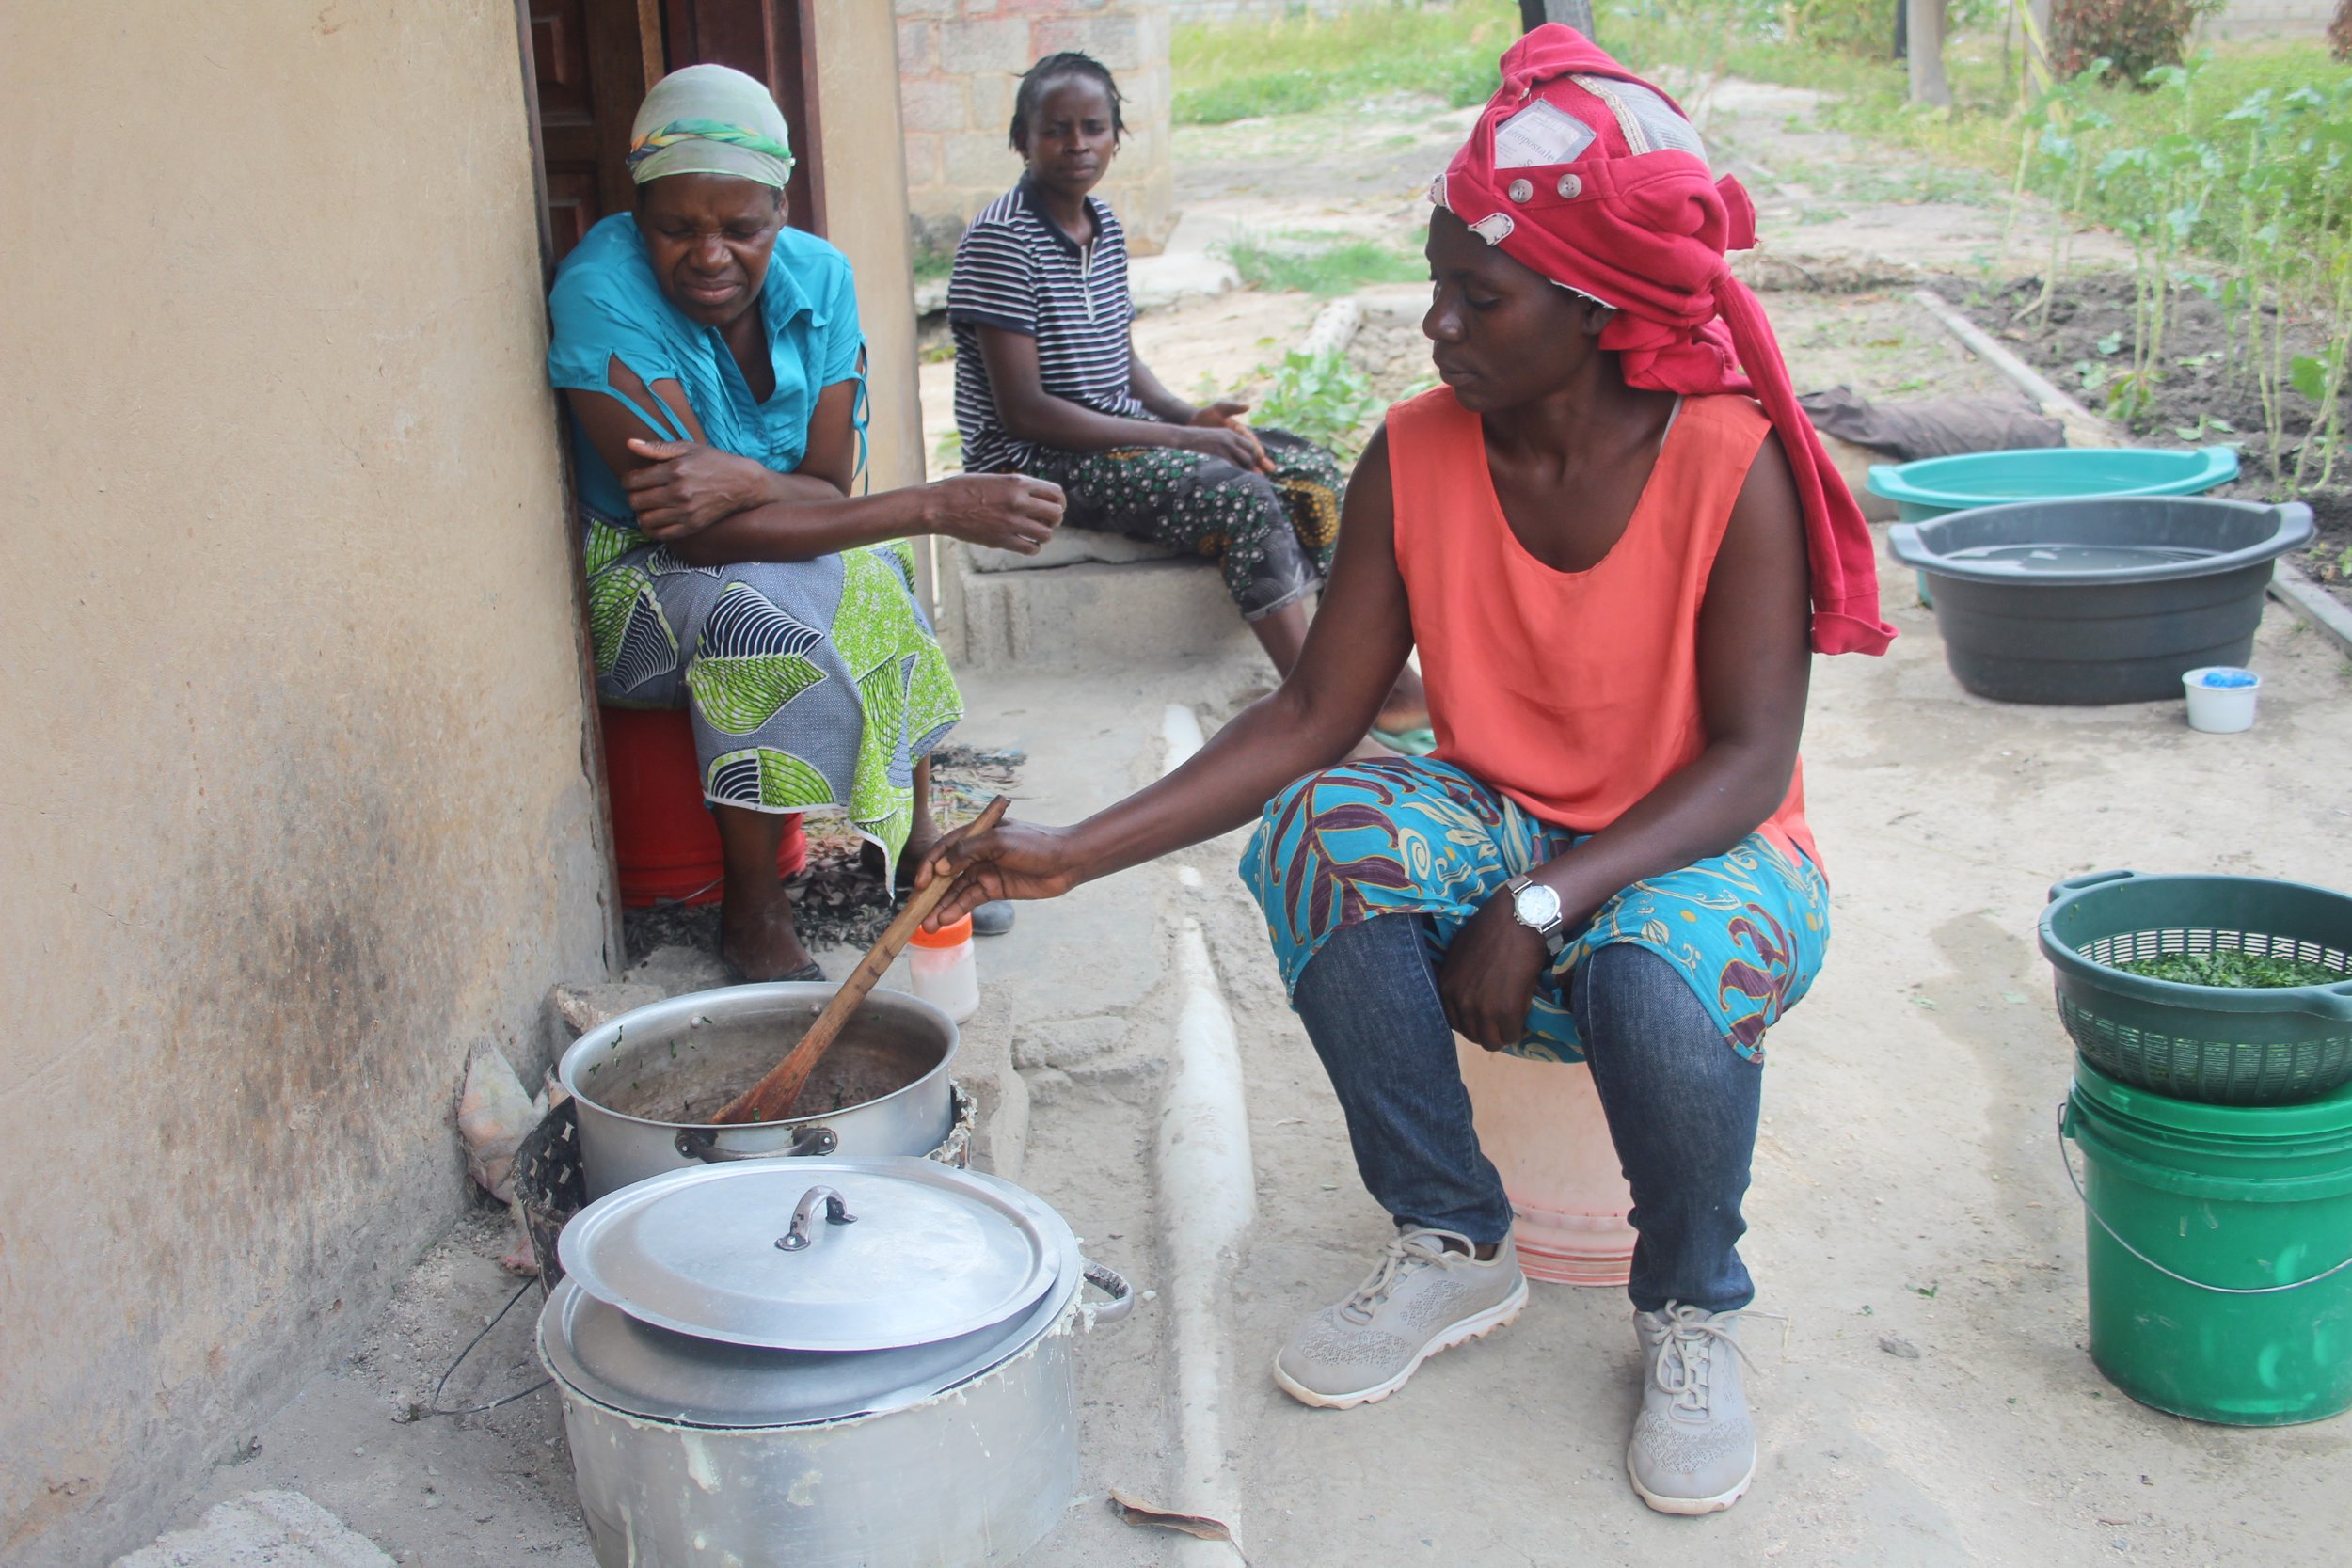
(293, 805)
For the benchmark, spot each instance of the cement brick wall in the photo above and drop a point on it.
(958, 62)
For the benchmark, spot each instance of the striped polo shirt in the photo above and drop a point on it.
(1016, 269)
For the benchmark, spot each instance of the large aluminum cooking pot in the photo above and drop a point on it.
(649, 1081)
(834, 1364)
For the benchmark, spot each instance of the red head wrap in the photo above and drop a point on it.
(1590, 176)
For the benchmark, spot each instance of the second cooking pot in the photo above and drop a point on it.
(649, 1081)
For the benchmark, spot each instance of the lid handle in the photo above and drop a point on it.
(836, 1212)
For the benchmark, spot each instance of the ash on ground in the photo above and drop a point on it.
(840, 900)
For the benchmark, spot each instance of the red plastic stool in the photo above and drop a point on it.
(662, 833)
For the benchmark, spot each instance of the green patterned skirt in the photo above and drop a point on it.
(814, 685)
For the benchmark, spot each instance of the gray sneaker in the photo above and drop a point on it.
(1693, 1449)
(1422, 1297)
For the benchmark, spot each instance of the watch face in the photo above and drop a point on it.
(1538, 906)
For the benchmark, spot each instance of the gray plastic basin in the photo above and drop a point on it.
(2101, 599)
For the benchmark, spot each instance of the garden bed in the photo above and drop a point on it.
(2205, 396)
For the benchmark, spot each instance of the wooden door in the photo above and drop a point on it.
(776, 42)
(591, 61)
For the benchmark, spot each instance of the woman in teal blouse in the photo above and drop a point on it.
(713, 367)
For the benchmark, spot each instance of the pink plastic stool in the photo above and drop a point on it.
(1541, 1124)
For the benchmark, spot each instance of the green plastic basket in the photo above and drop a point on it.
(2220, 1044)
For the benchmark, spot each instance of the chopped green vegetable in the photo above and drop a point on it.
(2242, 971)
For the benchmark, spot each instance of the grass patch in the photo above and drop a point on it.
(1243, 70)
(1325, 270)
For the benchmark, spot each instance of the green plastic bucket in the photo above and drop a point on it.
(2219, 1243)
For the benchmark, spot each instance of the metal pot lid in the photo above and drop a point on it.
(602, 1353)
(834, 1255)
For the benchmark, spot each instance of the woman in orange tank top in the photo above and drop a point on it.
(1604, 547)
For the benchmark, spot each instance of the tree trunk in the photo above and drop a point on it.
(1924, 30)
(1576, 13)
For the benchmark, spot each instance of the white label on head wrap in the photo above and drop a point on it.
(1649, 121)
(1494, 227)
(1541, 133)
(1436, 190)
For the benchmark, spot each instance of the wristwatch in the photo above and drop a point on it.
(1537, 907)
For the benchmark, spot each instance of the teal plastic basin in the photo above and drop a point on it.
(1934, 485)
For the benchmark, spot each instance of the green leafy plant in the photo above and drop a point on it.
(1322, 397)
(2235, 970)
(2177, 173)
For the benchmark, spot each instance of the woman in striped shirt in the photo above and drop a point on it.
(1048, 384)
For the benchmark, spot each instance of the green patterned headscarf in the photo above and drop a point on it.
(711, 119)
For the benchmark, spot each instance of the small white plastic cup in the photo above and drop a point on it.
(2221, 698)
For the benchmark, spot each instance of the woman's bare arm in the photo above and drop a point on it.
(1358, 643)
(1030, 413)
(1163, 404)
(714, 508)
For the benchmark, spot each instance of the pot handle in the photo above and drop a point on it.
(702, 1143)
(800, 1237)
(1113, 1285)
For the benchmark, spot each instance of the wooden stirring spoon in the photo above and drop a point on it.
(773, 1097)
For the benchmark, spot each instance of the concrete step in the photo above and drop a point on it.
(1093, 613)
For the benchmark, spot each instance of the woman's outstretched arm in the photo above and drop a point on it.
(1358, 643)
(714, 508)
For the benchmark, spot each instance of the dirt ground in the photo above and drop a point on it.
(1932, 1405)
(2207, 395)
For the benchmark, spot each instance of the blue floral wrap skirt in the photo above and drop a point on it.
(1413, 835)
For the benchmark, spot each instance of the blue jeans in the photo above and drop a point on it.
(1682, 1104)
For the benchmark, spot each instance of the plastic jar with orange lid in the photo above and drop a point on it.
(946, 974)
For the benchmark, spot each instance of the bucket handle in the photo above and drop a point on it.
(2088, 879)
(2063, 1110)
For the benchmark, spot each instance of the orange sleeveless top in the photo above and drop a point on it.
(1574, 693)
